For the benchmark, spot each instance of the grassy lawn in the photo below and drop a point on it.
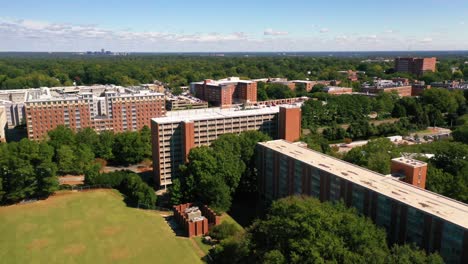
(89, 227)
(204, 247)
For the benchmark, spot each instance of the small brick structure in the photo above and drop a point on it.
(195, 221)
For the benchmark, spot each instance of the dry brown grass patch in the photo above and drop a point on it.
(110, 230)
(119, 253)
(72, 224)
(74, 249)
(38, 244)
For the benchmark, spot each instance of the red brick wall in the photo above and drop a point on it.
(44, 118)
(188, 129)
(289, 124)
(411, 173)
(246, 91)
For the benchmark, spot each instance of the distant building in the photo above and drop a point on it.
(3, 124)
(336, 90)
(182, 102)
(13, 101)
(418, 88)
(111, 108)
(402, 91)
(450, 84)
(403, 208)
(308, 85)
(155, 87)
(176, 134)
(387, 86)
(225, 92)
(401, 81)
(416, 66)
(352, 75)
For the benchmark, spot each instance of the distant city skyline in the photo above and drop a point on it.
(217, 26)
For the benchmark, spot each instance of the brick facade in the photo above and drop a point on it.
(414, 171)
(195, 227)
(116, 113)
(224, 94)
(416, 66)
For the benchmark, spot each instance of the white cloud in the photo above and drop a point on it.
(324, 30)
(425, 40)
(29, 35)
(62, 36)
(271, 32)
(462, 23)
(341, 38)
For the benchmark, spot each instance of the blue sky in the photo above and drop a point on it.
(294, 25)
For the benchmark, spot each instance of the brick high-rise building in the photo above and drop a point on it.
(409, 214)
(174, 135)
(416, 66)
(225, 92)
(118, 110)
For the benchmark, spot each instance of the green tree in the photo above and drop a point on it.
(65, 160)
(442, 100)
(204, 180)
(88, 137)
(274, 257)
(248, 141)
(304, 230)
(47, 181)
(234, 250)
(279, 91)
(60, 136)
(261, 92)
(83, 158)
(103, 148)
(461, 134)
(410, 254)
(224, 230)
(145, 133)
(129, 148)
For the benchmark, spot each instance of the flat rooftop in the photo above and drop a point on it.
(217, 113)
(411, 162)
(429, 202)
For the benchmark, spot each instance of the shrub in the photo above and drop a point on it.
(223, 231)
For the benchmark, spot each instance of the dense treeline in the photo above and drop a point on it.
(214, 174)
(447, 171)
(136, 191)
(75, 151)
(304, 230)
(436, 107)
(19, 72)
(29, 169)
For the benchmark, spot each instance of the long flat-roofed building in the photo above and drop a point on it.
(174, 135)
(115, 109)
(408, 213)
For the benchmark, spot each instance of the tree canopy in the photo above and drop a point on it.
(213, 174)
(304, 230)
